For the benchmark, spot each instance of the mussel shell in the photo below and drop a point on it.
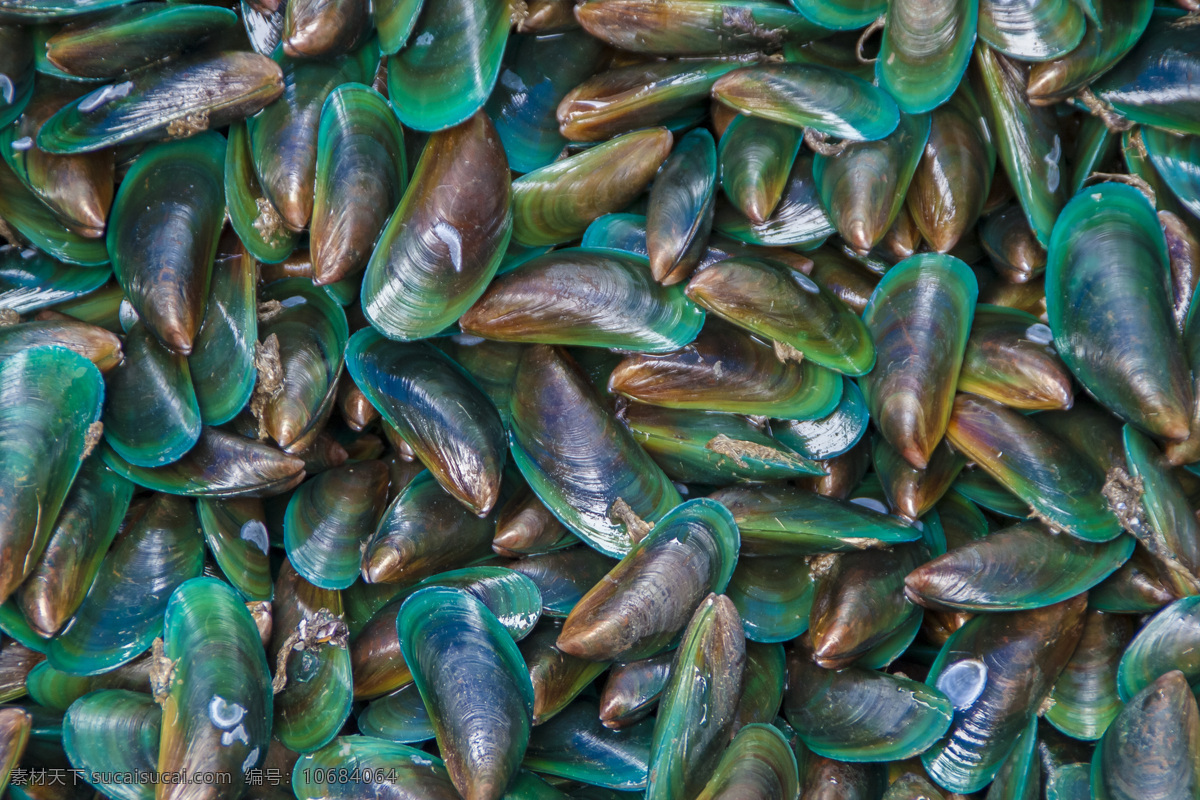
(95, 344)
(811, 96)
(312, 332)
(1109, 249)
(711, 448)
(15, 725)
(359, 180)
(864, 185)
(77, 189)
(705, 683)
(482, 723)
(1020, 775)
(1106, 40)
(1060, 486)
(1021, 567)
(220, 465)
(574, 745)
(390, 765)
(920, 317)
(329, 518)
(166, 222)
(1159, 67)
(49, 399)
(828, 436)
(379, 666)
(1152, 748)
(762, 684)
(34, 220)
(537, 73)
(576, 296)
(773, 597)
(925, 51)
(221, 364)
(996, 670)
(951, 182)
(16, 662)
(324, 28)
(435, 407)
(123, 612)
(911, 492)
(857, 714)
(151, 414)
(623, 618)
(555, 203)
(694, 27)
(836, 780)
(17, 67)
(424, 531)
(83, 531)
(1029, 30)
(1084, 699)
(798, 220)
(557, 678)
(394, 21)
(133, 37)
(524, 526)
(1165, 523)
(443, 244)
(753, 158)
(577, 457)
(777, 302)
(169, 102)
(1165, 643)
(218, 706)
(258, 223)
(635, 96)
(1177, 160)
(1010, 358)
(450, 65)
(841, 14)
(779, 520)
(56, 690)
(564, 576)
(398, 717)
(859, 603)
(113, 732)
(283, 138)
(632, 689)
(31, 280)
(1138, 587)
(236, 533)
(316, 699)
(680, 209)
(726, 369)
(1027, 138)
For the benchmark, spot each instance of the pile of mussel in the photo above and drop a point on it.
(543, 399)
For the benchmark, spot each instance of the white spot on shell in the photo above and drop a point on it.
(424, 40)
(8, 89)
(248, 764)
(871, 503)
(1039, 333)
(1051, 159)
(806, 283)
(256, 533)
(224, 714)
(963, 681)
(453, 241)
(238, 734)
(104, 96)
(23, 144)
